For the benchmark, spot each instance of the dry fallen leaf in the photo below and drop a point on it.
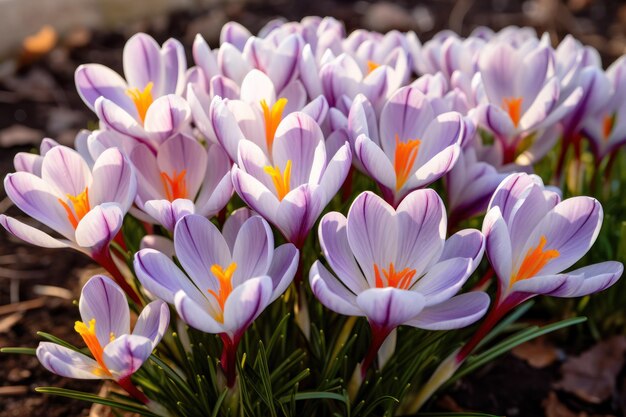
(592, 375)
(554, 408)
(41, 42)
(538, 353)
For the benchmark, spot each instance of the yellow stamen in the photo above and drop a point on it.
(534, 261)
(88, 333)
(513, 107)
(406, 152)
(281, 181)
(272, 118)
(397, 279)
(174, 186)
(224, 278)
(80, 207)
(142, 99)
(371, 66)
(608, 125)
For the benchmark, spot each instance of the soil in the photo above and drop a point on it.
(40, 99)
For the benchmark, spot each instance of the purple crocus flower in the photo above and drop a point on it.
(147, 105)
(86, 206)
(395, 267)
(292, 186)
(411, 148)
(183, 177)
(229, 278)
(523, 96)
(116, 352)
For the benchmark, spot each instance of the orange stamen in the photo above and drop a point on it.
(174, 186)
(406, 152)
(513, 107)
(371, 66)
(281, 181)
(142, 99)
(608, 125)
(224, 278)
(80, 205)
(534, 261)
(272, 118)
(397, 279)
(88, 333)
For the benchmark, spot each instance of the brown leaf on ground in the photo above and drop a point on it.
(538, 353)
(555, 408)
(592, 375)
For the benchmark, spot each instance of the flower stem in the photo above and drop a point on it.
(228, 360)
(130, 388)
(106, 261)
(379, 334)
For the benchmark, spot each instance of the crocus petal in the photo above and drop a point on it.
(375, 162)
(245, 304)
(153, 321)
(99, 226)
(167, 213)
(296, 96)
(28, 162)
(309, 72)
(166, 116)
(160, 275)
(225, 125)
(31, 234)
(232, 63)
(174, 67)
(235, 34)
(334, 242)
(233, 224)
(67, 362)
(103, 300)
(204, 57)
(183, 153)
(331, 293)
(592, 279)
(195, 314)
(284, 64)
(283, 268)
(199, 104)
(142, 61)
(113, 180)
(496, 65)
(467, 243)
(542, 284)
(116, 118)
(159, 243)
(443, 280)
(390, 307)
(253, 249)
(95, 80)
(498, 244)
(542, 106)
(336, 172)
(65, 171)
(254, 193)
(224, 87)
(257, 86)
(125, 355)
(297, 213)
(457, 312)
(199, 246)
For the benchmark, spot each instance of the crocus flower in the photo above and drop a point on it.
(291, 188)
(395, 267)
(115, 352)
(523, 96)
(228, 279)
(85, 206)
(147, 105)
(413, 146)
(183, 177)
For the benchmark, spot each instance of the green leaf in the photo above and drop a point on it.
(315, 395)
(19, 350)
(92, 398)
(58, 341)
(464, 414)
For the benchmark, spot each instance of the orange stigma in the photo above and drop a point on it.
(371, 66)
(281, 181)
(272, 117)
(88, 333)
(80, 205)
(142, 99)
(397, 279)
(406, 152)
(174, 186)
(513, 107)
(534, 261)
(608, 125)
(224, 278)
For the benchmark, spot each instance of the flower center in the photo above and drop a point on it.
(392, 278)
(371, 66)
(534, 261)
(80, 207)
(88, 333)
(280, 180)
(224, 278)
(406, 152)
(272, 117)
(608, 125)
(142, 99)
(513, 107)
(174, 186)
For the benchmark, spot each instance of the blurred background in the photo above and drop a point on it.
(43, 41)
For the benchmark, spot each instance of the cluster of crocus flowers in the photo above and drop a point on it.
(278, 122)
(114, 351)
